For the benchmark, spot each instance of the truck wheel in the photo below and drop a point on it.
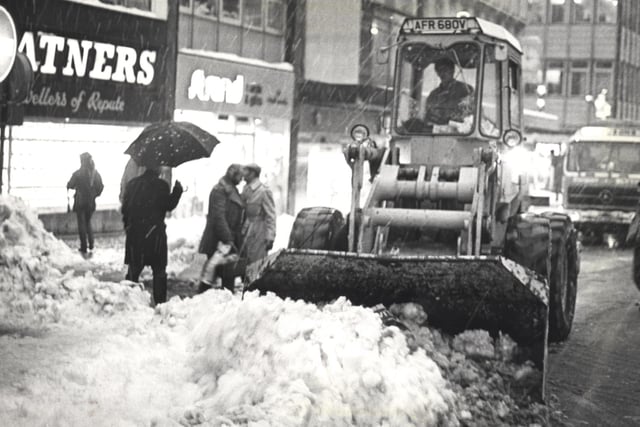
(636, 266)
(528, 243)
(563, 277)
(315, 228)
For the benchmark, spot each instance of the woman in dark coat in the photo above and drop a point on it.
(224, 220)
(145, 203)
(88, 185)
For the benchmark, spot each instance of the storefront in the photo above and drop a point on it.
(102, 72)
(247, 104)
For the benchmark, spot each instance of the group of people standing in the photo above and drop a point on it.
(243, 222)
(246, 222)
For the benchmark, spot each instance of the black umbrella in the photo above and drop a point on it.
(171, 144)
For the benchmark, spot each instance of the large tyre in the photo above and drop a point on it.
(528, 242)
(636, 265)
(563, 276)
(316, 228)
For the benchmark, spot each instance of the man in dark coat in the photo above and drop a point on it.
(451, 100)
(224, 222)
(145, 203)
(88, 185)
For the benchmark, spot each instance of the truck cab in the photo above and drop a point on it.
(600, 180)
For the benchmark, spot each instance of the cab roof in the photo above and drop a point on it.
(464, 25)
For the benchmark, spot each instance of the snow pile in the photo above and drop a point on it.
(33, 288)
(276, 362)
(491, 384)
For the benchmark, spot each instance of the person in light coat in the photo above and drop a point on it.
(259, 228)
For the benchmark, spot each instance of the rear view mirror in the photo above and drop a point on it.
(382, 56)
(501, 52)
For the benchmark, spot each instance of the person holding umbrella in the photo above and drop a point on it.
(145, 203)
(147, 199)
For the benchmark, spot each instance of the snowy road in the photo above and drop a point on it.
(595, 373)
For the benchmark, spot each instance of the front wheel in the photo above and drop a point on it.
(636, 265)
(563, 276)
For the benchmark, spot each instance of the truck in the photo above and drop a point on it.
(445, 222)
(600, 181)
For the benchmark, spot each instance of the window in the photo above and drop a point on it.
(582, 11)
(185, 4)
(514, 95)
(252, 13)
(490, 122)
(536, 11)
(205, 7)
(437, 88)
(557, 11)
(275, 15)
(603, 77)
(578, 78)
(554, 77)
(607, 11)
(231, 9)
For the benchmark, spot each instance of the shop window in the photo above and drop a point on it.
(231, 9)
(275, 15)
(252, 13)
(607, 11)
(206, 7)
(582, 11)
(578, 78)
(558, 11)
(554, 77)
(514, 95)
(536, 11)
(603, 76)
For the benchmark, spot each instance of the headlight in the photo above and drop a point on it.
(512, 138)
(359, 133)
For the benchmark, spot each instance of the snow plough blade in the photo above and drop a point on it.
(457, 292)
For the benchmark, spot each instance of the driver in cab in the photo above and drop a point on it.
(451, 100)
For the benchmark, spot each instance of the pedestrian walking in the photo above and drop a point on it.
(145, 203)
(259, 228)
(87, 184)
(224, 224)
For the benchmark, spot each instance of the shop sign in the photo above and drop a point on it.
(225, 87)
(92, 64)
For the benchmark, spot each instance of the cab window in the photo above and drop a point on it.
(490, 115)
(514, 95)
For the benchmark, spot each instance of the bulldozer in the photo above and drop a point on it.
(445, 223)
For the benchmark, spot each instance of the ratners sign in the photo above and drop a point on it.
(219, 84)
(92, 63)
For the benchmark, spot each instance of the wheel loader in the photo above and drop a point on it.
(445, 222)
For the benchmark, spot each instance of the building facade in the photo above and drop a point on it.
(232, 81)
(100, 74)
(347, 72)
(575, 52)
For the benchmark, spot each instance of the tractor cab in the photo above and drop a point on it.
(457, 88)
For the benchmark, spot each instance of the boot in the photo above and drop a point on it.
(160, 288)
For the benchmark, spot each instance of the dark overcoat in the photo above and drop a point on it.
(145, 203)
(88, 186)
(224, 218)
